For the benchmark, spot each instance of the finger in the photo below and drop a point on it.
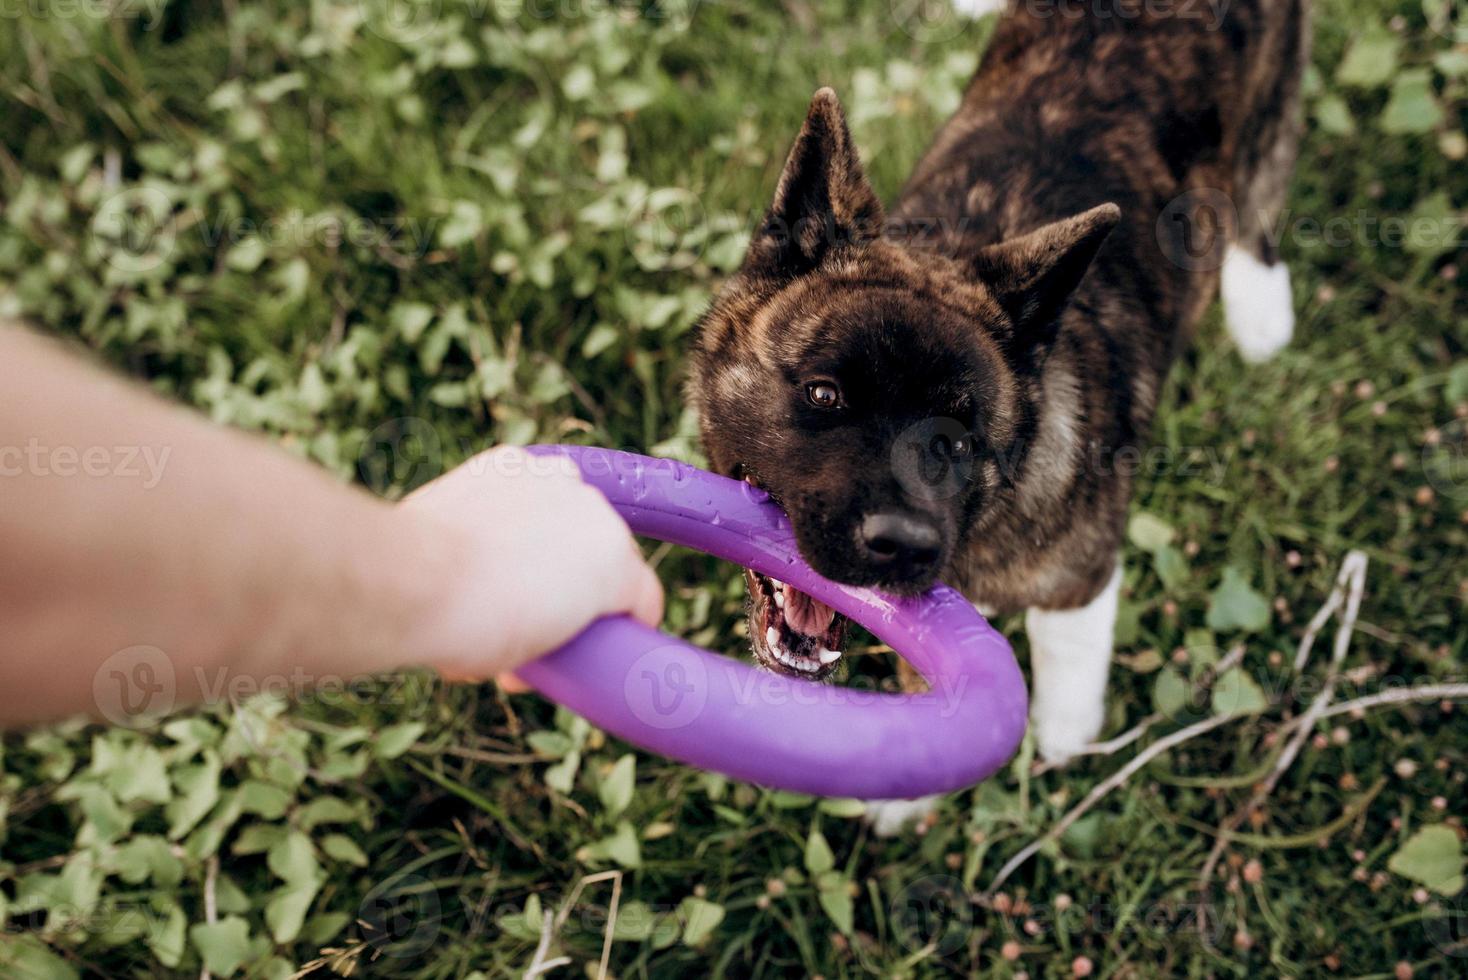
(646, 602)
(451, 675)
(512, 684)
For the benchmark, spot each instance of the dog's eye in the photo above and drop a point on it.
(954, 448)
(823, 394)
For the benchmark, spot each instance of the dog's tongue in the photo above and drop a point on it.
(807, 615)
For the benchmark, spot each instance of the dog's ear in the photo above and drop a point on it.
(1033, 276)
(823, 199)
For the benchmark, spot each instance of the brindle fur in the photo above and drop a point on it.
(982, 309)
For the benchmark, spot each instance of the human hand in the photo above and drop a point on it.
(534, 555)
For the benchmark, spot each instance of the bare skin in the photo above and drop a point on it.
(125, 521)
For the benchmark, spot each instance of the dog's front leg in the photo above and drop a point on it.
(1070, 657)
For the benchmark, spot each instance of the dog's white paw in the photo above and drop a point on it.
(980, 8)
(888, 817)
(1257, 305)
(1061, 735)
(1070, 657)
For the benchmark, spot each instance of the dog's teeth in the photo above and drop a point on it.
(772, 638)
(780, 598)
(829, 656)
(779, 585)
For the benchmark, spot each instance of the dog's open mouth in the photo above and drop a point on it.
(791, 632)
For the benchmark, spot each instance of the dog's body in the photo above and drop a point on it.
(949, 391)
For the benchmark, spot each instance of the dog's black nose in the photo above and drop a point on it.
(900, 547)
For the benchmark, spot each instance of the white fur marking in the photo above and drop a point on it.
(1070, 656)
(888, 817)
(980, 8)
(1257, 305)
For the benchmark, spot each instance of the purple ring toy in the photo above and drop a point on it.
(718, 713)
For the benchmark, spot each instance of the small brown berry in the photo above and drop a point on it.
(1010, 950)
(1254, 871)
(1081, 966)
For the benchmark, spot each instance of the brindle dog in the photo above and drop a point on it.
(951, 390)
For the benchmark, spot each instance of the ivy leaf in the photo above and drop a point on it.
(1235, 605)
(464, 224)
(223, 945)
(617, 786)
(198, 791)
(1453, 62)
(394, 740)
(700, 918)
(1371, 60)
(293, 859)
(1433, 228)
(321, 929)
(562, 776)
(1413, 106)
(410, 319)
(325, 809)
(1432, 857)
(843, 807)
(166, 940)
(25, 956)
(147, 856)
(834, 893)
(342, 848)
(264, 799)
(1170, 692)
(1149, 533)
(285, 913)
(141, 774)
(1334, 116)
(1457, 389)
(1236, 692)
(782, 799)
(620, 848)
(1172, 567)
(818, 856)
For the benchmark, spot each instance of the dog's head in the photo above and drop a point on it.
(875, 388)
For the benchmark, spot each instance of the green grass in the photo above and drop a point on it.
(540, 207)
